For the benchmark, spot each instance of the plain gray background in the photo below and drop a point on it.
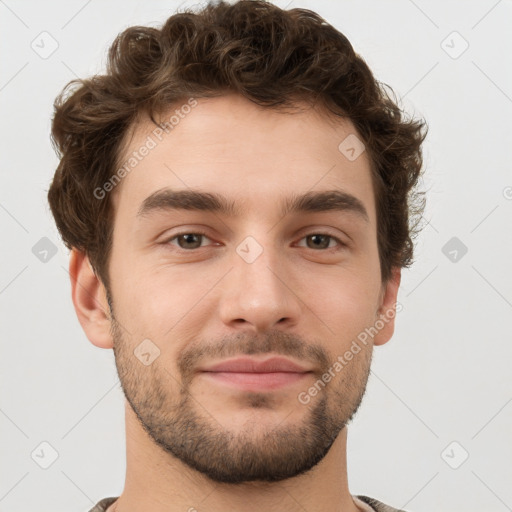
(440, 390)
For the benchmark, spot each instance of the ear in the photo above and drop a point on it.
(385, 319)
(90, 300)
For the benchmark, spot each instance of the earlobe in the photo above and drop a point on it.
(89, 299)
(385, 320)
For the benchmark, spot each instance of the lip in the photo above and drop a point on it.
(252, 381)
(250, 374)
(251, 365)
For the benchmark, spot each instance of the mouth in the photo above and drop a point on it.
(252, 381)
(250, 374)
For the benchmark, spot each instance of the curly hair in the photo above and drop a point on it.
(270, 56)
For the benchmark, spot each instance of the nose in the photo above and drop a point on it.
(259, 295)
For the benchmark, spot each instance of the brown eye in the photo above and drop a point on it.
(321, 241)
(187, 241)
(190, 241)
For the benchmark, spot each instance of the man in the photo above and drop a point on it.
(259, 137)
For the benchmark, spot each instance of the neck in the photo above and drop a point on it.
(157, 481)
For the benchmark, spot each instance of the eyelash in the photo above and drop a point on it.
(182, 251)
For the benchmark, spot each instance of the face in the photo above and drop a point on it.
(195, 283)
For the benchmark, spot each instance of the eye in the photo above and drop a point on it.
(322, 241)
(187, 241)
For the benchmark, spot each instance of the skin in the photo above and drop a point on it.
(193, 443)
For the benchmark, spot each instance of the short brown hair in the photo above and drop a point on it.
(270, 56)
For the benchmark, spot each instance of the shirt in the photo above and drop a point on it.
(364, 503)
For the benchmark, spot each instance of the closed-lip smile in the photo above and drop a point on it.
(253, 375)
(251, 365)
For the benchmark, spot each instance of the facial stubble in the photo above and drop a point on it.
(182, 426)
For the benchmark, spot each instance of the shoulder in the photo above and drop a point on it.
(377, 505)
(103, 504)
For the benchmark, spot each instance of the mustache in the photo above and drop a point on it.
(245, 344)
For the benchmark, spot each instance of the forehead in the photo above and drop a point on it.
(230, 145)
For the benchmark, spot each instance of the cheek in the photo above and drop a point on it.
(159, 302)
(346, 304)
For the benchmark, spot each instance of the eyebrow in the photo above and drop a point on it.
(329, 200)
